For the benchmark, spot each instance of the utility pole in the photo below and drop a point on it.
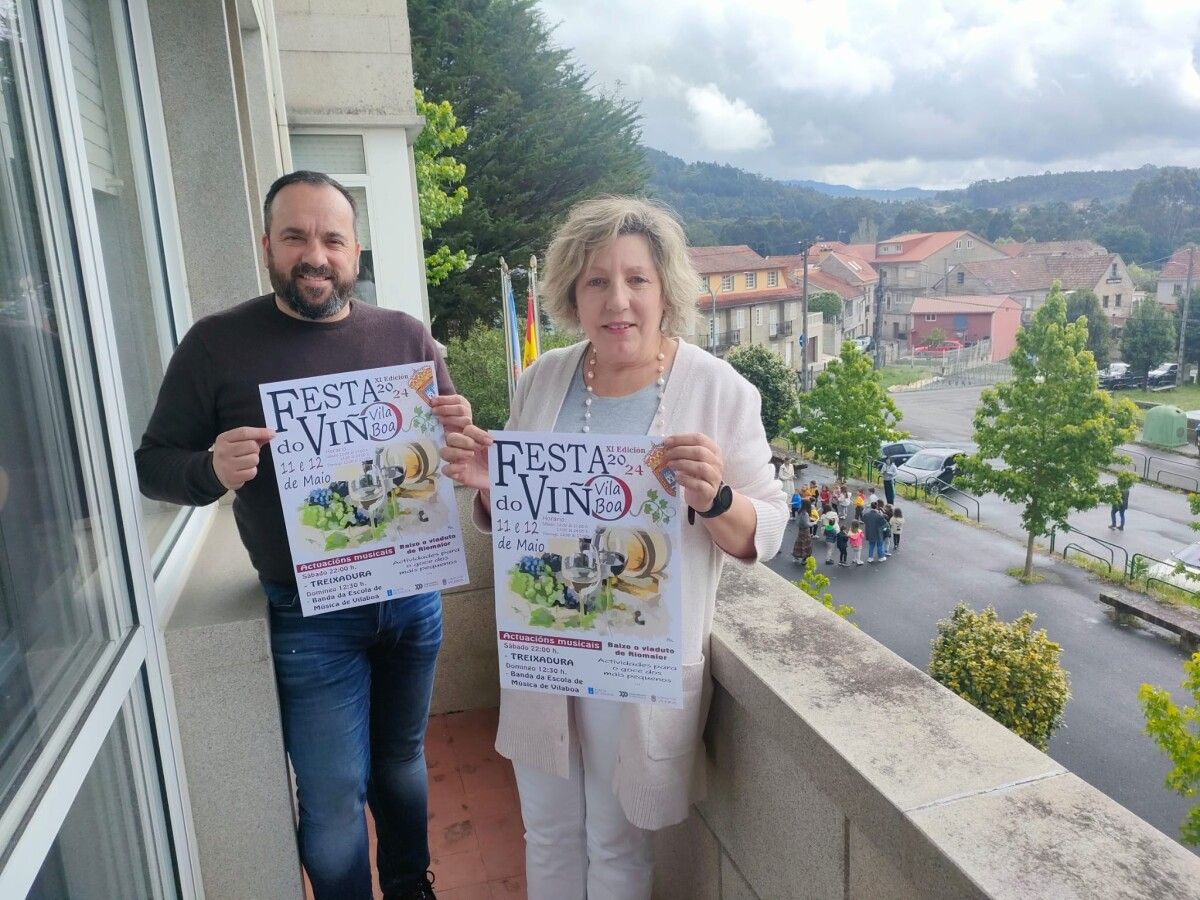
(879, 320)
(1187, 296)
(804, 321)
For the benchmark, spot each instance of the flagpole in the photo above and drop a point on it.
(537, 312)
(506, 318)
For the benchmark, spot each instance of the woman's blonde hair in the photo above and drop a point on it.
(592, 224)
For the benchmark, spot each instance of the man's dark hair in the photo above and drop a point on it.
(304, 176)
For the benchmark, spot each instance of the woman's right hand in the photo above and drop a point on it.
(465, 454)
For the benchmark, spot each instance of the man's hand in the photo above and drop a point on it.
(235, 454)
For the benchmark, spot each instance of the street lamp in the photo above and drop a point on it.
(805, 246)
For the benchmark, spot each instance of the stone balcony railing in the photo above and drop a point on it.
(835, 769)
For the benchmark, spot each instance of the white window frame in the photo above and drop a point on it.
(391, 212)
(41, 803)
(970, 243)
(739, 317)
(703, 281)
(751, 280)
(930, 317)
(726, 283)
(758, 315)
(958, 244)
(773, 279)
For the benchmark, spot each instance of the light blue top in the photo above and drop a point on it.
(631, 414)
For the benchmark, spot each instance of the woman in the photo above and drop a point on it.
(618, 271)
(787, 476)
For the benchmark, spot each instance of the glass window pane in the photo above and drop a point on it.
(364, 288)
(55, 566)
(108, 845)
(118, 167)
(333, 154)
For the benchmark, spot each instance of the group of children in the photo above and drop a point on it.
(826, 511)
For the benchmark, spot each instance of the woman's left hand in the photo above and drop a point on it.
(698, 465)
(453, 411)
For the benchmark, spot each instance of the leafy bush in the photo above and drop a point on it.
(1008, 670)
(1177, 733)
(814, 584)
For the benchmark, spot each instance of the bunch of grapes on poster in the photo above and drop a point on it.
(369, 517)
(586, 538)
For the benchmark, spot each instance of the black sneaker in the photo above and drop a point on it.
(421, 890)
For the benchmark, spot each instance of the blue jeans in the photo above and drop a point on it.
(1113, 515)
(354, 690)
(878, 547)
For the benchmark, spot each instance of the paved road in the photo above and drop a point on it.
(942, 562)
(1157, 522)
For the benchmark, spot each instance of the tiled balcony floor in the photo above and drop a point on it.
(475, 833)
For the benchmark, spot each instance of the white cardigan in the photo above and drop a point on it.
(655, 775)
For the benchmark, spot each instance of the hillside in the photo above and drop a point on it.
(844, 190)
(1143, 214)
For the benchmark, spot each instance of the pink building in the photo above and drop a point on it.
(967, 319)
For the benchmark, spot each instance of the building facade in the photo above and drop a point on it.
(968, 320)
(914, 265)
(138, 140)
(1174, 277)
(746, 300)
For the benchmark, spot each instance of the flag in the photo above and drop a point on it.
(531, 342)
(514, 332)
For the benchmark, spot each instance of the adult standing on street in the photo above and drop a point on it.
(873, 523)
(1119, 508)
(355, 684)
(596, 776)
(787, 476)
(888, 471)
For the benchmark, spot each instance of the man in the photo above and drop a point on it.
(873, 523)
(888, 471)
(354, 685)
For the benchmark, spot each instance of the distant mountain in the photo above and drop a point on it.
(844, 190)
(1107, 187)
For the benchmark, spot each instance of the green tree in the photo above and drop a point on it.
(1006, 669)
(816, 586)
(775, 382)
(1148, 337)
(1177, 733)
(1086, 303)
(435, 173)
(476, 363)
(1191, 337)
(1051, 428)
(827, 303)
(1143, 279)
(540, 138)
(847, 413)
(935, 338)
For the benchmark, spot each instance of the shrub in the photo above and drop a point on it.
(814, 584)
(1008, 670)
(1177, 732)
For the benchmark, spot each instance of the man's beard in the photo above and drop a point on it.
(288, 289)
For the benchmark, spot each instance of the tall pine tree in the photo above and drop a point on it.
(539, 139)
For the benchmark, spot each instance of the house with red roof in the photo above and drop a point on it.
(1028, 279)
(913, 265)
(1173, 279)
(747, 300)
(851, 279)
(968, 319)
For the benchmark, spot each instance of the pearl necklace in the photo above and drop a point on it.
(660, 415)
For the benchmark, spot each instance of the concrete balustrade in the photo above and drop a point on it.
(835, 768)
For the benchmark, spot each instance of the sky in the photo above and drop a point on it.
(897, 93)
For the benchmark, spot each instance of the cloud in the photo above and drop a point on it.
(886, 93)
(724, 125)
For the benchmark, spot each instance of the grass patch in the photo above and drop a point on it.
(890, 376)
(1186, 396)
(1164, 592)
(1018, 572)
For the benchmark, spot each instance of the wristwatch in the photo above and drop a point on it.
(721, 503)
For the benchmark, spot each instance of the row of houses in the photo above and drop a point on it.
(956, 282)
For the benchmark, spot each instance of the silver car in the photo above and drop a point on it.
(933, 467)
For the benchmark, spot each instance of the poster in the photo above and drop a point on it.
(586, 538)
(369, 515)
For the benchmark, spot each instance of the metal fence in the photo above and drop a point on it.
(963, 367)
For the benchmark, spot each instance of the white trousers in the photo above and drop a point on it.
(578, 843)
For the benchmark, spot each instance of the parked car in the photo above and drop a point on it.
(1119, 376)
(898, 452)
(934, 467)
(944, 347)
(864, 343)
(1166, 375)
(1181, 568)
